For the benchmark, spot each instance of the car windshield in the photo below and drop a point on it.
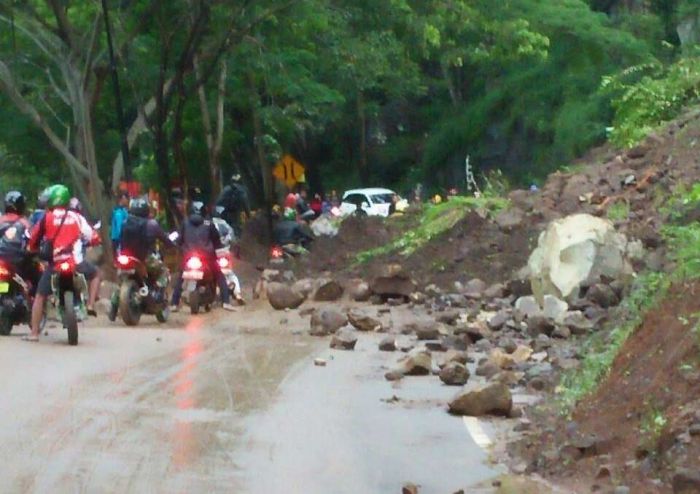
(382, 198)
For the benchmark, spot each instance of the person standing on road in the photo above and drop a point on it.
(200, 235)
(234, 201)
(119, 215)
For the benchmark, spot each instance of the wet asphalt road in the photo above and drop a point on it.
(222, 404)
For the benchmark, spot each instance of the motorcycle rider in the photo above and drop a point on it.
(67, 230)
(40, 210)
(228, 238)
(199, 234)
(234, 200)
(14, 229)
(139, 233)
(289, 234)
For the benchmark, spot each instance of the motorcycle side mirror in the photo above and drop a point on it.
(174, 236)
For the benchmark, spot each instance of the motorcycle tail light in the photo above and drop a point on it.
(5, 272)
(194, 263)
(123, 260)
(65, 267)
(276, 252)
(223, 262)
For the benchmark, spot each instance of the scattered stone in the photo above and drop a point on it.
(388, 344)
(327, 321)
(449, 317)
(344, 339)
(528, 306)
(307, 312)
(686, 481)
(283, 297)
(541, 343)
(328, 291)
(497, 322)
(393, 282)
(409, 488)
(561, 332)
(508, 345)
(577, 323)
(393, 376)
(493, 399)
(554, 308)
(454, 356)
(538, 324)
(363, 321)
(304, 286)
(510, 218)
(319, 362)
(425, 329)
(418, 362)
(454, 374)
(495, 291)
(602, 295)
(483, 345)
(487, 369)
(359, 290)
(418, 298)
(395, 302)
(432, 290)
(459, 343)
(604, 472)
(474, 289)
(523, 425)
(694, 429)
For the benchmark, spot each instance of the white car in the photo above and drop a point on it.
(375, 202)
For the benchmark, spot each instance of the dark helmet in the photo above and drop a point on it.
(198, 208)
(138, 206)
(14, 202)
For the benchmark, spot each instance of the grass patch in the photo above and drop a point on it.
(619, 211)
(435, 220)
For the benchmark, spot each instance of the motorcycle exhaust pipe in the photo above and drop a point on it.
(143, 291)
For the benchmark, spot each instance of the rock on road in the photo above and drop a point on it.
(208, 404)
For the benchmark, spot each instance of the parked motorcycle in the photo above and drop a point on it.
(200, 282)
(14, 298)
(138, 293)
(68, 287)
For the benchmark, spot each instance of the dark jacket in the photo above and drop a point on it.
(139, 236)
(13, 238)
(290, 232)
(234, 200)
(199, 234)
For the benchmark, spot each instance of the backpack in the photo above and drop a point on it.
(232, 198)
(134, 240)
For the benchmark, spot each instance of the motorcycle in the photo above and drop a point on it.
(14, 298)
(136, 296)
(68, 287)
(200, 283)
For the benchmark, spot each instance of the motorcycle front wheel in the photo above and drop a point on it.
(70, 319)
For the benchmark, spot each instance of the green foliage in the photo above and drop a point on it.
(619, 211)
(652, 425)
(647, 95)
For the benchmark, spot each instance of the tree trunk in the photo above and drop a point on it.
(214, 137)
(362, 121)
(265, 167)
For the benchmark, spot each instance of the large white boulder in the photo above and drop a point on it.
(574, 249)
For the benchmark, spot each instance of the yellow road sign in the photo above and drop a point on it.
(289, 171)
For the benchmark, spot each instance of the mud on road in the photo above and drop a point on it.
(223, 403)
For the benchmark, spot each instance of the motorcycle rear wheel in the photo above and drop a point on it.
(129, 311)
(70, 319)
(194, 302)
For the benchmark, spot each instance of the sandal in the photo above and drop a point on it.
(30, 337)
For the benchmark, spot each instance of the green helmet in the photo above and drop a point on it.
(59, 196)
(290, 214)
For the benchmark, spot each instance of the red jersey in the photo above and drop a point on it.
(68, 230)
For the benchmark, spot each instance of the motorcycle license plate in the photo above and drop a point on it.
(4, 287)
(193, 275)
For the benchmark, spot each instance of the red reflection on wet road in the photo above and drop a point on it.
(184, 444)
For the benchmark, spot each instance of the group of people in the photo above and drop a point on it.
(57, 231)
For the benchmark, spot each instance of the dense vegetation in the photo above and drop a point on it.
(393, 92)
